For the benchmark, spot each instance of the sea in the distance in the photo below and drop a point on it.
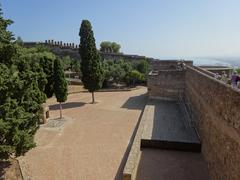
(210, 61)
(233, 62)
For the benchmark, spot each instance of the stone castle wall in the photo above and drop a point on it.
(215, 109)
(166, 81)
(167, 64)
(70, 49)
(166, 84)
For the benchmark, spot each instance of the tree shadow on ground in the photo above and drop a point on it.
(136, 102)
(3, 166)
(67, 105)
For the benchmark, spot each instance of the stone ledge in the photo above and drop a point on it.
(130, 169)
(166, 128)
(106, 90)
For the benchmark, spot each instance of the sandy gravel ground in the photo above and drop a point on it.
(91, 144)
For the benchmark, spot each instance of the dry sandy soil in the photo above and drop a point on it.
(10, 170)
(91, 143)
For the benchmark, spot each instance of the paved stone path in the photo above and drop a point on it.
(92, 142)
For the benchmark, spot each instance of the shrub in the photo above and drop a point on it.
(238, 70)
(135, 77)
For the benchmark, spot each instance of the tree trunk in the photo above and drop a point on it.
(93, 99)
(60, 105)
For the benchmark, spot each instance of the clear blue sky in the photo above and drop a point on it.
(155, 28)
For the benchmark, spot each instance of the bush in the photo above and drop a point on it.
(135, 77)
(22, 84)
(122, 71)
(143, 67)
(238, 70)
(116, 72)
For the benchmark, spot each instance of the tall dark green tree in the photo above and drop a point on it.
(91, 64)
(47, 65)
(60, 84)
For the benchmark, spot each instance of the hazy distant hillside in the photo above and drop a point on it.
(234, 61)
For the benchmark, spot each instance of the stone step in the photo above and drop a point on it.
(166, 127)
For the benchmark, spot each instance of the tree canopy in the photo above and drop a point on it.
(125, 72)
(69, 63)
(110, 47)
(143, 67)
(60, 83)
(22, 89)
(238, 70)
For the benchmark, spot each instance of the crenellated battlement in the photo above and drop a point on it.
(52, 42)
(61, 48)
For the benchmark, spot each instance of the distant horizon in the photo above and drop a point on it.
(233, 61)
(157, 29)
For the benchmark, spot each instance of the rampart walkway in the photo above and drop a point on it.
(167, 127)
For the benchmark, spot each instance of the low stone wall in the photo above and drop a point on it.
(166, 80)
(219, 69)
(166, 64)
(205, 71)
(215, 110)
(131, 166)
(125, 57)
(166, 84)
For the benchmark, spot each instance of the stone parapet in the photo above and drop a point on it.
(131, 166)
(214, 107)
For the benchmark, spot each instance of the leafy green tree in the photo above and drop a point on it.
(66, 62)
(21, 97)
(91, 64)
(134, 77)
(40, 60)
(112, 47)
(70, 64)
(19, 40)
(238, 70)
(47, 66)
(60, 84)
(143, 67)
(115, 47)
(6, 36)
(118, 73)
(106, 46)
(75, 65)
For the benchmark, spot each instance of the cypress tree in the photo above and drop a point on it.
(91, 65)
(60, 84)
(47, 65)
